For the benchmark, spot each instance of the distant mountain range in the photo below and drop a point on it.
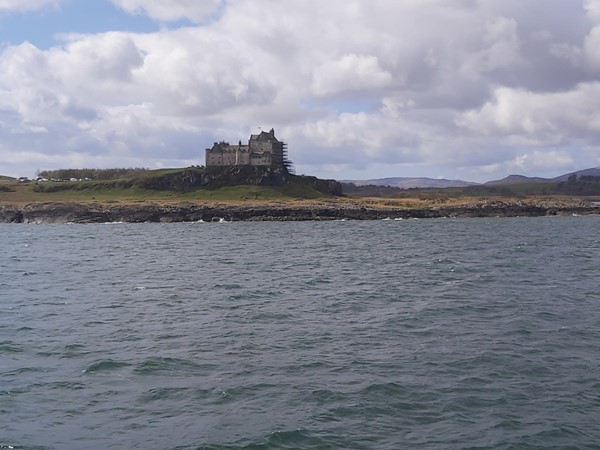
(407, 182)
(423, 182)
(520, 179)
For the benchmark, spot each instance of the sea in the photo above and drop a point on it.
(413, 334)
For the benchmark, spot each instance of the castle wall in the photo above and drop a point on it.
(260, 159)
(243, 158)
(227, 155)
(213, 158)
(261, 146)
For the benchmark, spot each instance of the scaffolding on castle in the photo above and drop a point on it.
(286, 162)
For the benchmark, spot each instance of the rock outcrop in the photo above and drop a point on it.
(191, 212)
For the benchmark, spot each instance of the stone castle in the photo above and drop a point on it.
(263, 149)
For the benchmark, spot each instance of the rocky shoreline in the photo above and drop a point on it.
(71, 212)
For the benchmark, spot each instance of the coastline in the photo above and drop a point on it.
(96, 212)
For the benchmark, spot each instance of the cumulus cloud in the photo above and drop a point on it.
(350, 73)
(592, 7)
(547, 118)
(500, 47)
(172, 10)
(461, 88)
(591, 49)
(537, 160)
(26, 5)
(108, 58)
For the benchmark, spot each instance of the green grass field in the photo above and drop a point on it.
(85, 191)
(171, 184)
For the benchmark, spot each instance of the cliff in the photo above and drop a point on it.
(190, 212)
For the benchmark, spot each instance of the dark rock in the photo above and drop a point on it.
(190, 212)
(10, 214)
(63, 213)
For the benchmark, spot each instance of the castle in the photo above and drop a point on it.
(263, 149)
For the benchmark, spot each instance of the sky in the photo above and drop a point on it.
(358, 89)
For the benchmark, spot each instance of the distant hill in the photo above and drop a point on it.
(520, 179)
(408, 183)
(579, 183)
(517, 179)
(593, 172)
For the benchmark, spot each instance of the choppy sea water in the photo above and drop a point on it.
(424, 334)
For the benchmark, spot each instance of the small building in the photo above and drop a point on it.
(263, 149)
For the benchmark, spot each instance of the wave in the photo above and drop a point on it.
(157, 365)
(10, 347)
(105, 366)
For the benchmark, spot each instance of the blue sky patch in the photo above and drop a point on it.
(75, 16)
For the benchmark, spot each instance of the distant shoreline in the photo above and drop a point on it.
(96, 212)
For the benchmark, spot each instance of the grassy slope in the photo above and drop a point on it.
(85, 191)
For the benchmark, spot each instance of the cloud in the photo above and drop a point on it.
(350, 73)
(591, 49)
(460, 88)
(592, 7)
(544, 118)
(500, 48)
(173, 10)
(26, 5)
(538, 161)
(107, 58)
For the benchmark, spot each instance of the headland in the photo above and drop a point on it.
(252, 194)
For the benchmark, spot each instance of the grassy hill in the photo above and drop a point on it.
(188, 184)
